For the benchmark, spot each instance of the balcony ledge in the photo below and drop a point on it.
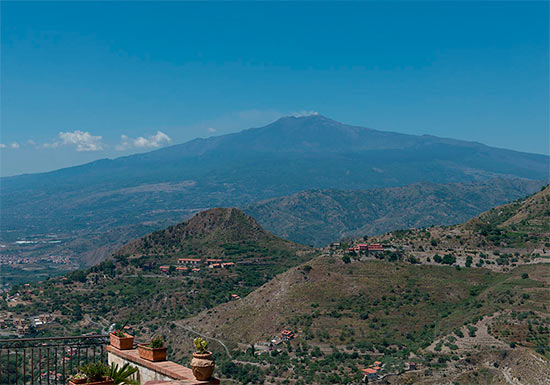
(152, 373)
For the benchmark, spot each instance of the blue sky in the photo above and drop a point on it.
(82, 81)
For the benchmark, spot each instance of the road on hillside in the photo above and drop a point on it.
(180, 324)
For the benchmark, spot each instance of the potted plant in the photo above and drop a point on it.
(121, 340)
(79, 378)
(202, 364)
(96, 374)
(154, 351)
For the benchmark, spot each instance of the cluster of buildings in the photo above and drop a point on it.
(368, 247)
(23, 325)
(17, 260)
(179, 269)
(210, 262)
(40, 320)
(194, 265)
(373, 371)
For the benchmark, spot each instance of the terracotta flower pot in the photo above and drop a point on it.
(122, 343)
(202, 366)
(105, 381)
(152, 354)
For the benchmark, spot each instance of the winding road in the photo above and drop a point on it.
(180, 324)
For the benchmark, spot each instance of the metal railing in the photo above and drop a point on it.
(48, 361)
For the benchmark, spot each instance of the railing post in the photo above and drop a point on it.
(8, 367)
(40, 365)
(24, 365)
(32, 365)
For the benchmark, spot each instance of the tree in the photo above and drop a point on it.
(448, 259)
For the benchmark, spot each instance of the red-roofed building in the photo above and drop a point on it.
(369, 371)
(214, 265)
(213, 260)
(228, 264)
(287, 335)
(182, 268)
(189, 261)
(195, 269)
(376, 247)
(164, 268)
(362, 246)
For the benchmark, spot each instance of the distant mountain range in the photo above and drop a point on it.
(165, 186)
(318, 217)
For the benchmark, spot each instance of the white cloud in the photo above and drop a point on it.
(211, 129)
(153, 141)
(14, 145)
(83, 140)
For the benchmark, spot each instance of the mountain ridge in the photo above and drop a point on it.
(319, 217)
(287, 156)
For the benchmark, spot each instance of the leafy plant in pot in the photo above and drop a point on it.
(101, 374)
(154, 351)
(202, 363)
(79, 378)
(95, 373)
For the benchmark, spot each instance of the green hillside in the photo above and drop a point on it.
(131, 286)
(319, 217)
(379, 310)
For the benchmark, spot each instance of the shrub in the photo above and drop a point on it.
(201, 346)
(156, 342)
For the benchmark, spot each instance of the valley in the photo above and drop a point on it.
(466, 302)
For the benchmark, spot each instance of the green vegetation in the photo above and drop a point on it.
(201, 346)
(319, 217)
(94, 371)
(157, 342)
(130, 287)
(121, 376)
